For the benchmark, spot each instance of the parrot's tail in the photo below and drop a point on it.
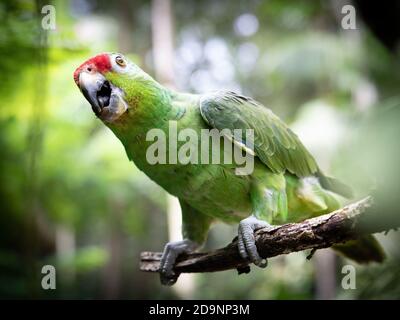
(363, 250)
(335, 186)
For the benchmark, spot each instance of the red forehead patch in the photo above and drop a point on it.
(100, 63)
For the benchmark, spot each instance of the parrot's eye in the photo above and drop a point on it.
(120, 61)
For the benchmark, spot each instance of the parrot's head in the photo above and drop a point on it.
(105, 81)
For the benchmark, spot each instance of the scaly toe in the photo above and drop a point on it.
(171, 251)
(246, 241)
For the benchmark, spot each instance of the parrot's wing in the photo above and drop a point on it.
(274, 143)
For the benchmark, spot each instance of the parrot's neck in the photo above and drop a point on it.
(150, 105)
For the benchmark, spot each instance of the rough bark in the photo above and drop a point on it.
(315, 233)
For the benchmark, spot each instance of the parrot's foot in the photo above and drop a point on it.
(246, 241)
(171, 251)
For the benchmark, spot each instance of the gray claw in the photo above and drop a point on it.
(246, 242)
(171, 252)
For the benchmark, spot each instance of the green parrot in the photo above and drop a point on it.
(285, 184)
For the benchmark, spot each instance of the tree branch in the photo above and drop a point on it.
(316, 233)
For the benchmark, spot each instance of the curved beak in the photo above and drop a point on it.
(96, 89)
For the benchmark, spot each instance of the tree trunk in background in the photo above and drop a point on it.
(112, 276)
(325, 274)
(163, 43)
(125, 26)
(163, 55)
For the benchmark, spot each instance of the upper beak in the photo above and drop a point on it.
(96, 89)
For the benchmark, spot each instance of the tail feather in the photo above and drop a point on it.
(363, 250)
(335, 186)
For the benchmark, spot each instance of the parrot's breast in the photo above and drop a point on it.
(214, 189)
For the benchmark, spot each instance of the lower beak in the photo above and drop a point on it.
(96, 89)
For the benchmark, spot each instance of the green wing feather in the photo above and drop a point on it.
(274, 143)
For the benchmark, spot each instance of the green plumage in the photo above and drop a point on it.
(285, 186)
(274, 143)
